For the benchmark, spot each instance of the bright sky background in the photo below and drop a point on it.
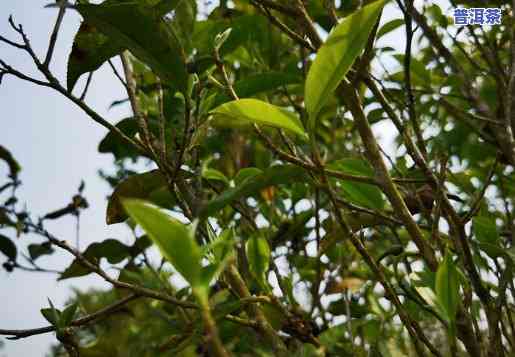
(56, 144)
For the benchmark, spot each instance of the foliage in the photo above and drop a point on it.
(284, 223)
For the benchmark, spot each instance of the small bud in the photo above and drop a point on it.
(221, 38)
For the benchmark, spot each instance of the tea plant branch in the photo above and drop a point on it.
(477, 202)
(412, 326)
(53, 38)
(283, 27)
(85, 320)
(308, 25)
(410, 98)
(134, 100)
(287, 10)
(382, 175)
(86, 87)
(53, 83)
(117, 74)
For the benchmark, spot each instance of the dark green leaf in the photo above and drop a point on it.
(136, 186)
(246, 173)
(37, 250)
(6, 156)
(112, 143)
(52, 315)
(111, 249)
(91, 48)
(146, 35)
(8, 248)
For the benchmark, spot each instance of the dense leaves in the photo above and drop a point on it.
(388, 233)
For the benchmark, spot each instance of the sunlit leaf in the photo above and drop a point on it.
(336, 56)
(248, 111)
(174, 239)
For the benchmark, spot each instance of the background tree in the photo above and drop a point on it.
(292, 230)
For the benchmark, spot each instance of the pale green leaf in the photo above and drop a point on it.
(174, 239)
(336, 56)
(248, 111)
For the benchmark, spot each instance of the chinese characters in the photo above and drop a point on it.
(477, 16)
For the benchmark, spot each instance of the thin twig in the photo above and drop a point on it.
(53, 38)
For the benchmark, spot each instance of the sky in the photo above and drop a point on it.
(56, 145)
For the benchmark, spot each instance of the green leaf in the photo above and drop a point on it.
(6, 156)
(246, 173)
(275, 175)
(91, 48)
(68, 314)
(175, 240)
(222, 249)
(336, 57)
(144, 33)
(258, 255)
(221, 38)
(50, 315)
(389, 27)
(447, 287)
(213, 174)
(112, 143)
(37, 250)
(8, 248)
(360, 193)
(247, 111)
(111, 249)
(485, 229)
(136, 186)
